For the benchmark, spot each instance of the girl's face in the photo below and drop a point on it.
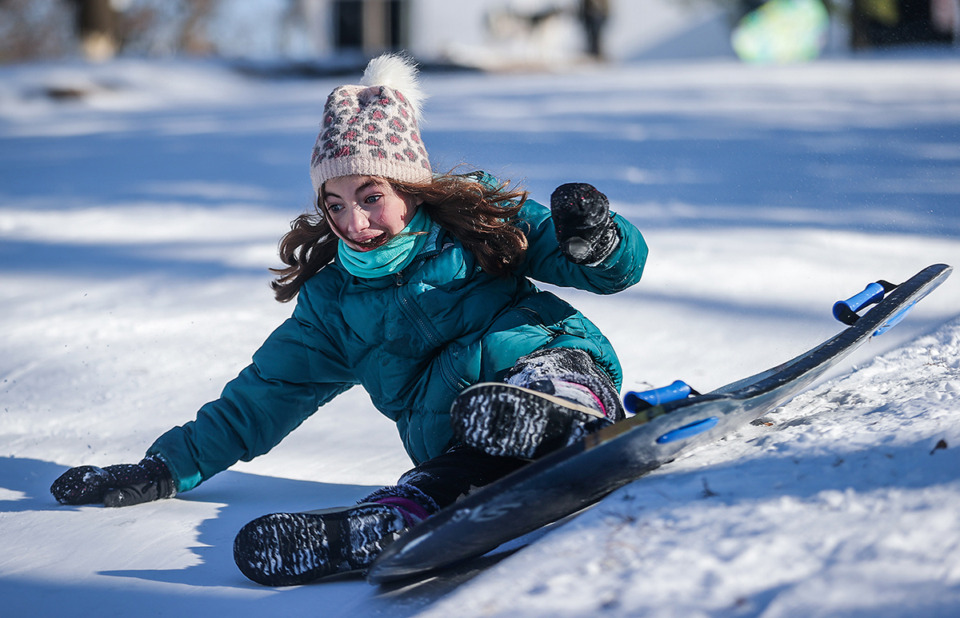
(366, 211)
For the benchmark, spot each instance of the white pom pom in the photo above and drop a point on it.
(397, 72)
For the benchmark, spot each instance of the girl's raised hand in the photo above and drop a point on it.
(585, 231)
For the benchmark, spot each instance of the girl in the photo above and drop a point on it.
(417, 287)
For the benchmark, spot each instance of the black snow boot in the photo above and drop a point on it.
(289, 549)
(549, 399)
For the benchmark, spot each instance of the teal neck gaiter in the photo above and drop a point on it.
(393, 256)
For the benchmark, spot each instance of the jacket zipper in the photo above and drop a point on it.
(413, 312)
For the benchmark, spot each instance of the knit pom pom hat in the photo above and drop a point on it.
(372, 129)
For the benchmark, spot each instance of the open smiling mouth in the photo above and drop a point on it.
(372, 243)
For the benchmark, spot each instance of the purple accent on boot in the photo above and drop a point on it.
(590, 393)
(412, 512)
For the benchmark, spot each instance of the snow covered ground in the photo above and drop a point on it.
(137, 222)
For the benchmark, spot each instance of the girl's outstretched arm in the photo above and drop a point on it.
(297, 369)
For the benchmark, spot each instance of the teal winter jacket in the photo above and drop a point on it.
(412, 340)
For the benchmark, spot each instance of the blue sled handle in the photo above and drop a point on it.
(635, 401)
(846, 310)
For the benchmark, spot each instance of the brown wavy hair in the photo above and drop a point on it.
(482, 217)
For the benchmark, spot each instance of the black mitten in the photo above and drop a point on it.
(120, 485)
(585, 231)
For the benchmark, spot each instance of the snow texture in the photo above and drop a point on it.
(137, 221)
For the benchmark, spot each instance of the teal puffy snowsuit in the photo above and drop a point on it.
(413, 341)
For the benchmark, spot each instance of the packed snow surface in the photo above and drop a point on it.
(141, 204)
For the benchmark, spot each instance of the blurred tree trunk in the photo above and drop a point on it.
(96, 28)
